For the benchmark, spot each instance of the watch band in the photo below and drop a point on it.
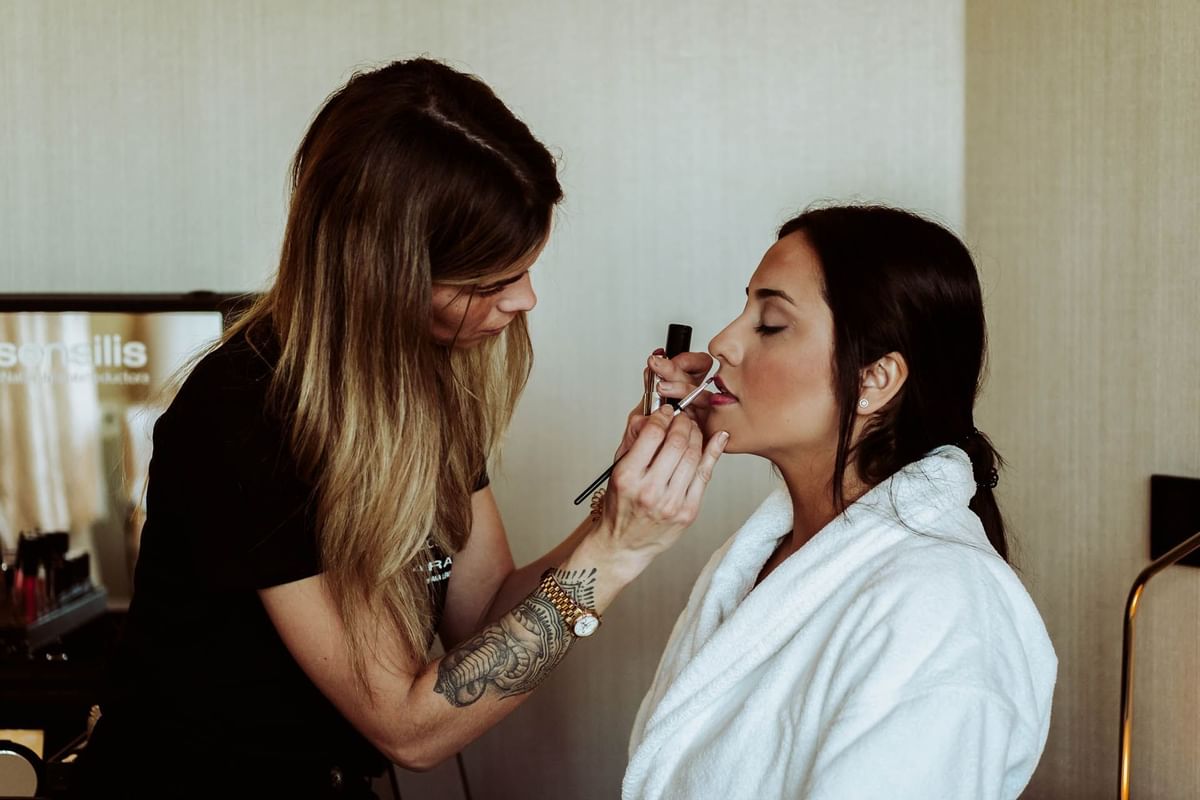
(570, 611)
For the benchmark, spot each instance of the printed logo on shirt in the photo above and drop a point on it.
(437, 570)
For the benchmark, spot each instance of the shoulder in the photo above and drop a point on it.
(944, 585)
(236, 368)
(926, 575)
(944, 614)
(220, 421)
(938, 570)
(227, 388)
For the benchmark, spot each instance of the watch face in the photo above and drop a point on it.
(586, 625)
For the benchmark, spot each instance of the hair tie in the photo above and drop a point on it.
(966, 437)
(993, 476)
(993, 480)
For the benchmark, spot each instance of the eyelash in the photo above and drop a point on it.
(768, 330)
(483, 291)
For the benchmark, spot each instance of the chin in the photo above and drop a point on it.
(711, 428)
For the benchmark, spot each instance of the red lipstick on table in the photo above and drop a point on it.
(29, 582)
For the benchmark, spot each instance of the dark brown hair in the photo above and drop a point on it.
(896, 282)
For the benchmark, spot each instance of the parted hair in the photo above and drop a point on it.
(410, 174)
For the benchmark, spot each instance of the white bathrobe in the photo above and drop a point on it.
(875, 662)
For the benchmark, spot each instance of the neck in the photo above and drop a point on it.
(808, 478)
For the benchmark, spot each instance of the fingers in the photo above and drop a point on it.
(685, 471)
(672, 453)
(680, 375)
(704, 472)
(641, 452)
(666, 369)
(683, 367)
(676, 391)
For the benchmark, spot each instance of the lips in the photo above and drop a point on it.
(725, 397)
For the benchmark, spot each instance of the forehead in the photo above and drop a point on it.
(791, 266)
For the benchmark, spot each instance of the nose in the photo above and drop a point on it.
(725, 346)
(518, 296)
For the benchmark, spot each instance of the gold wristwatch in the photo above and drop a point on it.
(581, 621)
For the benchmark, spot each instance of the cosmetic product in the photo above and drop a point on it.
(77, 580)
(679, 340)
(41, 599)
(7, 612)
(54, 554)
(684, 403)
(18, 582)
(24, 568)
(29, 581)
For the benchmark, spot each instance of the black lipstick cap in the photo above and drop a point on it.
(679, 339)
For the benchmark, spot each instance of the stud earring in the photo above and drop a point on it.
(863, 403)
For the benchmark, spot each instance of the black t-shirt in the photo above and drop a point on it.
(201, 675)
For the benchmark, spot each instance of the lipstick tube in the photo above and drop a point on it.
(679, 340)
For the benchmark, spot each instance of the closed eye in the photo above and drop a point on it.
(496, 288)
(768, 330)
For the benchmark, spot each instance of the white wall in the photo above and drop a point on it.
(144, 146)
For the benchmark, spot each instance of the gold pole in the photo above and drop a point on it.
(1180, 551)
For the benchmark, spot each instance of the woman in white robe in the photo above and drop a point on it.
(862, 635)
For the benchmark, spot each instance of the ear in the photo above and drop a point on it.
(880, 382)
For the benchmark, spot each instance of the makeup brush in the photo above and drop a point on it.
(684, 403)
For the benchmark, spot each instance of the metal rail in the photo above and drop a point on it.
(1180, 551)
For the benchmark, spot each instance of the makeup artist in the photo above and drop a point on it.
(318, 502)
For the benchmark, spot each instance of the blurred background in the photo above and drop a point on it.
(144, 146)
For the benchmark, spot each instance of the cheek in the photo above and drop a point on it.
(797, 393)
(479, 313)
(451, 313)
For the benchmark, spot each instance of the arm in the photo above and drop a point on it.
(417, 713)
(484, 583)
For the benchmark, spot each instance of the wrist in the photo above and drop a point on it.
(616, 566)
(573, 596)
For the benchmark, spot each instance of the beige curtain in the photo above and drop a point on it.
(51, 477)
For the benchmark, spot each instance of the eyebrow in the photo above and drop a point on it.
(500, 284)
(764, 294)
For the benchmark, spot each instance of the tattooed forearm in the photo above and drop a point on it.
(512, 656)
(579, 583)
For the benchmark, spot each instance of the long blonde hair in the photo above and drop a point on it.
(409, 174)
